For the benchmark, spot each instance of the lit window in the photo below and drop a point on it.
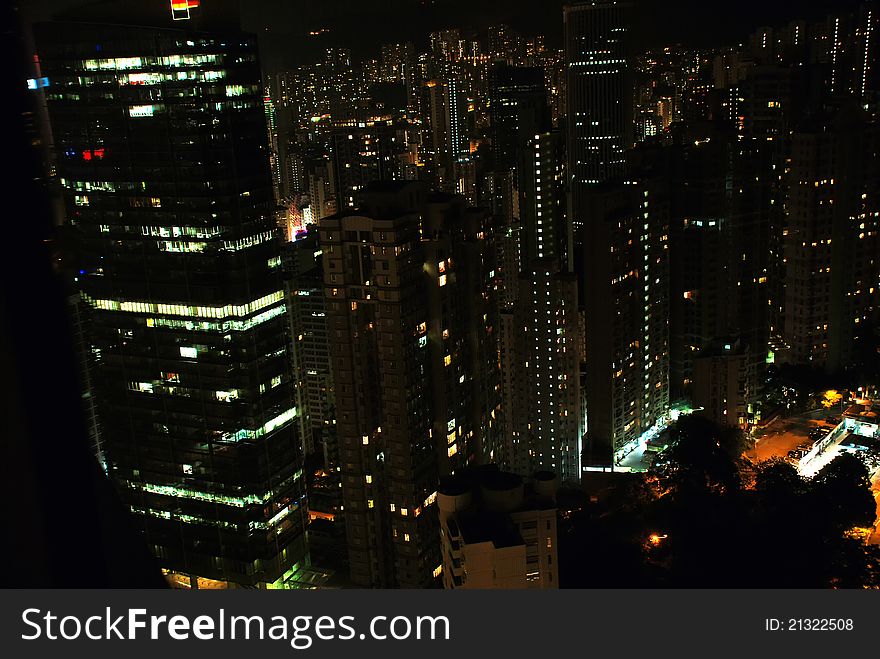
(141, 111)
(368, 479)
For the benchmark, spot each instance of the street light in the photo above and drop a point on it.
(656, 538)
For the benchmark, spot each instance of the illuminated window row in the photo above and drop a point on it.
(134, 63)
(190, 232)
(250, 241)
(100, 186)
(229, 325)
(241, 90)
(184, 493)
(158, 77)
(270, 425)
(186, 519)
(211, 497)
(239, 310)
(181, 246)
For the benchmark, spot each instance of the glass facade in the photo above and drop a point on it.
(163, 159)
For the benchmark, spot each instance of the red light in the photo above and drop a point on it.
(87, 155)
(99, 153)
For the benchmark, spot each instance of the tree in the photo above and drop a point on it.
(705, 456)
(831, 398)
(779, 486)
(841, 494)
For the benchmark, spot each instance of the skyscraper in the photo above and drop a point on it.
(626, 308)
(831, 266)
(364, 152)
(539, 338)
(445, 136)
(518, 109)
(312, 368)
(548, 405)
(620, 220)
(719, 284)
(408, 315)
(599, 95)
(163, 160)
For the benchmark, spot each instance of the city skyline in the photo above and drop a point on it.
(473, 307)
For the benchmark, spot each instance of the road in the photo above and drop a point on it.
(783, 435)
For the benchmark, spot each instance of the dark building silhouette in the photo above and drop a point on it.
(163, 160)
(599, 96)
(408, 308)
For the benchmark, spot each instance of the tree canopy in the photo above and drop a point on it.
(710, 518)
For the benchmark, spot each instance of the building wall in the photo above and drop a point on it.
(164, 164)
(407, 286)
(626, 309)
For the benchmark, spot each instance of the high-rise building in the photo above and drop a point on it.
(505, 44)
(620, 223)
(364, 152)
(831, 244)
(310, 346)
(408, 315)
(446, 45)
(538, 342)
(497, 531)
(518, 109)
(79, 312)
(315, 395)
(720, 290)
(626, 314)
(323, 201)
(399, 65)
(447, 148)
(275, 156)
(599, 96)
(547, 407)
(163, 160)
(722, 381)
